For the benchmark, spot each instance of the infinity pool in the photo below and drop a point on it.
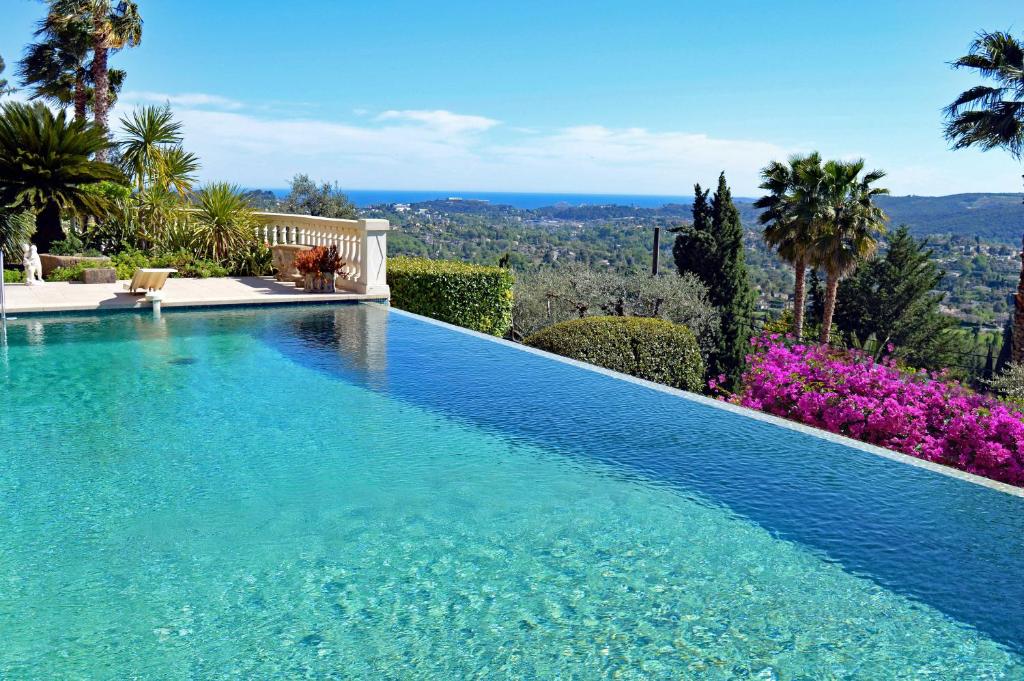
(352, 492)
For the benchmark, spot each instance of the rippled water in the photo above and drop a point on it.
(354, 493)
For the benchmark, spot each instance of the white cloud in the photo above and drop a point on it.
(444, 121)
(437, 149)
(187, 99)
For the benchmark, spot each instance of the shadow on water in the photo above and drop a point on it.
(956, 546)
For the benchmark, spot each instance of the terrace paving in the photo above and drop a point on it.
(70, 296)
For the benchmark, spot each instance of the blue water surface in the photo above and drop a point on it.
(352, 492)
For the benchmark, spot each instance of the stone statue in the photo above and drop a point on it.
(32, 264)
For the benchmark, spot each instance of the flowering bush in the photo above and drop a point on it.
(920, 414)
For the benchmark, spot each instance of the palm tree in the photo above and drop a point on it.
(223, 221)
(57, 67)
(46, 166)
(846, 222)
(178, 170)
(149, 130)
(991, 116)
(110, 27)
(784, 227)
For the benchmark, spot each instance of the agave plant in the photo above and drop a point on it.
(46, 166)
(223, 220)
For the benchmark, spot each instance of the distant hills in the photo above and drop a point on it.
(993, 217)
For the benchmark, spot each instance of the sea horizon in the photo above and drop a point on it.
(372, 197)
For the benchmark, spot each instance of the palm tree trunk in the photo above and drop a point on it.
(831, 288)
(81, 96)
(101, 84)
(799, 298)
(1017, 347)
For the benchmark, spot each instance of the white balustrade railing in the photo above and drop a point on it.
(362, 244)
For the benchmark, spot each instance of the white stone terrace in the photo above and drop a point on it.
(362, 243)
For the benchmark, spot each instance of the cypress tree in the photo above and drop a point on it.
(731, 292)
(712, 249)
(695, 249)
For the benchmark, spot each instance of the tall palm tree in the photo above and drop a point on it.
(57, 67)
(46, 166)
(785, 228)
(111, 27)
(846, 222)
(991, 116)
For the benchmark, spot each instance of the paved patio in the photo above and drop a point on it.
(66, 296)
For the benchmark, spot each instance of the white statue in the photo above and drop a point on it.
(32, 264)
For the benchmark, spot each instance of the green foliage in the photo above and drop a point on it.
(477, 297)
(548, 296)
(223, 222)
(14, 276)
(1009, 384)
(712, 249)
(16, 228)
(189, 266)
(151, 152)
(653, 349)
(992, 115)
(324, 200)
(74, 272)
(252, 259)
(45, 164)
(890, 300)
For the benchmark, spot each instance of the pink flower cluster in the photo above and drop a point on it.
(918, 414)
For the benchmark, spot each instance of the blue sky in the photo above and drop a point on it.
(645, 97)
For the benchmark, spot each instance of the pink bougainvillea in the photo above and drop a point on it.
(920, 414)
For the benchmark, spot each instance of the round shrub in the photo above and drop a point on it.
(477, 297)
(654, 349)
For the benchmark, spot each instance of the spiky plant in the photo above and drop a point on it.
(223, 220)
(46, 165)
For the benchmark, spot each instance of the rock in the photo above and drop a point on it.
(52, 262)
(99, 275)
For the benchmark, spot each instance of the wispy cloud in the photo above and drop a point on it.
(416, 148)
(443, 121)
(187, 99)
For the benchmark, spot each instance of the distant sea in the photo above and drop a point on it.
(371, 197)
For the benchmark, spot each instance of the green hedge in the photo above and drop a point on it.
(654, 349)
(477, 297)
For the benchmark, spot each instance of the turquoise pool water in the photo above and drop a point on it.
(349, 492)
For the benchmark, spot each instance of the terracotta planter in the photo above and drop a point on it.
(319, 282)
(52, 262)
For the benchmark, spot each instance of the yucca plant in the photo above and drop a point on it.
(148, 130)
(46, 164)
(223, 220)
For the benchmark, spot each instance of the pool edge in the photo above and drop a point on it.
(734, 408)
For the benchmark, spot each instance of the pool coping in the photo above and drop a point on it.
(736, 409)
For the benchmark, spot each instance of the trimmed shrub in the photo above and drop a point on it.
(653, 349)
(477, 297)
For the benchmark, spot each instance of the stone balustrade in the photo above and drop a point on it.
(362, 244)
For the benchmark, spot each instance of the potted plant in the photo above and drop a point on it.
(319, 267)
